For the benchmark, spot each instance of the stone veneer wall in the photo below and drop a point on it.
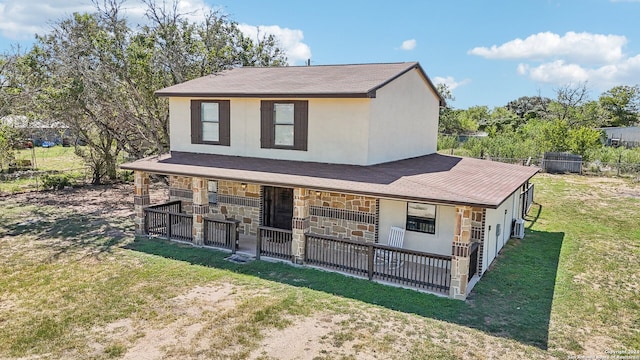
(343, 215)
(140, 199)
(240, 204)
(460, 253)
(233, 202)
(477, 233)
(335, 214)
(180, 189)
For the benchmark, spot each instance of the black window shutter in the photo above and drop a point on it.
(225, 122)
(266, 124)
(301, 127)
(196, 124)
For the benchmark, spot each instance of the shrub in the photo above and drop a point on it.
(56, 181)
(126, 176)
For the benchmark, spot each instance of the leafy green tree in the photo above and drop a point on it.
(530, 107)
(472, 117)
(500, 119)
(98, 74)
(448, 120)
(8, 138)
(622, 104)
(456, 121)
(583, 140)
(14, 95)
(591, 114)
(447, 142)
(445, 92)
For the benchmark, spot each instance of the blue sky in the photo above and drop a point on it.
(488, 52)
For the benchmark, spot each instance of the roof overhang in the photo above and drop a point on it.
(431, 178)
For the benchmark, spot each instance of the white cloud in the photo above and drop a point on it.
(572, 58)
(523, 69)
(21, 19)
(289, 39)
(559, 72)
(408, 44)
(582, 47)
(450, 81)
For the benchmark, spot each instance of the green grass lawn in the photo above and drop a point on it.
(56, 158)
(77, 285)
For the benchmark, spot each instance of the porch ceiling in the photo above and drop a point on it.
(430, 178)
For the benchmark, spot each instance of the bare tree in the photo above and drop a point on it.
(569, 98)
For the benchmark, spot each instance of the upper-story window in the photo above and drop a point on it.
(284, 124)
(210, 122)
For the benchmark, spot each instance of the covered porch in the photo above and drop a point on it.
(338, 217)
(306, 241)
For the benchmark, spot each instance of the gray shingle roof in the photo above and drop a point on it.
(430, 178)
(359, 80)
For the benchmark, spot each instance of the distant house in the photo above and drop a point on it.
(39, 131)
(318, 164)
(622, 136)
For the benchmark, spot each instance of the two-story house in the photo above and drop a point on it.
(317, 164)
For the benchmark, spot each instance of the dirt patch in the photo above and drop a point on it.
(303, 340)
(157, 340)
(597, 346)
(607, 187)
(113, 200)
(206, 298)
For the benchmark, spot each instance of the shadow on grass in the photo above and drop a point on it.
(513, 300)
(67, 232)
(534, 214)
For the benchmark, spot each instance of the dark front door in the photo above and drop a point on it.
(277, 208)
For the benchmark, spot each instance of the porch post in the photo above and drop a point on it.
(140, 199)
(299, 223)
(460, 253)
(199, 186)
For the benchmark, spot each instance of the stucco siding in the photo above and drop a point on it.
(394, 213)
(338, 131)
(494, 217)
(404, 120)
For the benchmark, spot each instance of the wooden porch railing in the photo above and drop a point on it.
(380, 262)
(221, 233)
(173, 206)
(274, 243)
(167, 220)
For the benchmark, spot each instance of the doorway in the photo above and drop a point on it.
(277, 207)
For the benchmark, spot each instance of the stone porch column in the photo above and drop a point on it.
(299, 223)
(140, 199)
(199, 186)
(460, 253)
